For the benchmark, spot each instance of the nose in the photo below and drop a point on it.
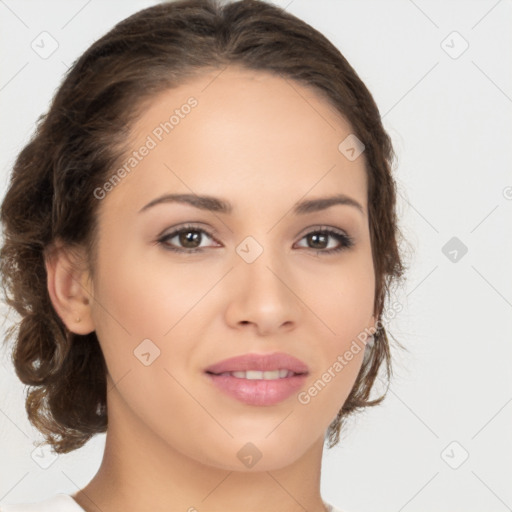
(262, 297)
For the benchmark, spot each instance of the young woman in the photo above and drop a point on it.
(199, 240)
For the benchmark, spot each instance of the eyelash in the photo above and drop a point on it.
(346, 242)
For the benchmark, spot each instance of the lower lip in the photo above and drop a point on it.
(258, 391)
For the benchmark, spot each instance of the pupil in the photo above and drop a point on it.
(316, 237)
(185, 238)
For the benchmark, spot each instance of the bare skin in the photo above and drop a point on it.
(263, 144)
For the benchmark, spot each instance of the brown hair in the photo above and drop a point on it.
(81, 139)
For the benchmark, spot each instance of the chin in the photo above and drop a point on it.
(254, 454)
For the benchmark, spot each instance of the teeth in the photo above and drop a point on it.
(258, 375)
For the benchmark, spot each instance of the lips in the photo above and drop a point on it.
(259, 379)
(259, 362)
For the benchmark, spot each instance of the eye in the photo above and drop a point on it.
(189, 236)
(188, 239)
(320, 240)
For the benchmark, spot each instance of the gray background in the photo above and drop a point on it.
(449, 115)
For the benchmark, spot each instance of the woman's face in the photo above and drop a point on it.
(266, 278)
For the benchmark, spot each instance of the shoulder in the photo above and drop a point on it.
(57, 503)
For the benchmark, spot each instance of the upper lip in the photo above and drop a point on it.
(259, 362)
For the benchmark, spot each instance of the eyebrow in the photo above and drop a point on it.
(214, 204)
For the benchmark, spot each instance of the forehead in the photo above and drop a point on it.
(242, 132)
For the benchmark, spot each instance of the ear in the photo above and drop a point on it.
(70, 287)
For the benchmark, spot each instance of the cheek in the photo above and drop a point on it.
(343, 306)
(147, 297)
(342, 300)
(157, 300)
(339, 361)
(332, 380)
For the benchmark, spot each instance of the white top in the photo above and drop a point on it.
(64, 503)
(58, 503)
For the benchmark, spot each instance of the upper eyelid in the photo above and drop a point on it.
(172, 231)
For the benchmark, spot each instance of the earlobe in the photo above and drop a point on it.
(69, 288)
